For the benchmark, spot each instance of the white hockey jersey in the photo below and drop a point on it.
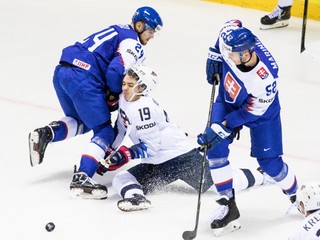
(149, 123)
(250, 97)
(309, 229)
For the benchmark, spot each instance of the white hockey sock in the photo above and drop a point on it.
(222, 178)
(71, 125)
(246, 178)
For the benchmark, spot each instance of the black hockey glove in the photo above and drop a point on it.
(112, 101)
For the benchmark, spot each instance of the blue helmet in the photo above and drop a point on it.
(240, 39)
(149, 16)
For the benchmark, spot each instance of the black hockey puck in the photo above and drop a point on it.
(50, 226)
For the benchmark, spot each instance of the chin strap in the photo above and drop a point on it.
(134, 93)
(243, 63)
(139, 33)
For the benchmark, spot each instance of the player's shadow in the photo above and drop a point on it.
(179, 187)
(61, 176)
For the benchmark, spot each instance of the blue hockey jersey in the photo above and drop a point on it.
(107, 54)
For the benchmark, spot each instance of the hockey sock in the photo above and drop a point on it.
(222, 176)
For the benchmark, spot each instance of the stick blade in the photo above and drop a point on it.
(189, 235)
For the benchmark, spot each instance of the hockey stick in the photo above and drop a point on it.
(188, 235)
(304, 25)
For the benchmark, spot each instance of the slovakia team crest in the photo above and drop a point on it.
(232, 87)
(262, 73)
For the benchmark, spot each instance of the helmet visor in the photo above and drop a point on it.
(156, 29)
(225, 50)
(228, 53)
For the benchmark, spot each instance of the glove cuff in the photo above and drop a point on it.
(221, 130)
(214, 54)
(111, 96)
(126, 152)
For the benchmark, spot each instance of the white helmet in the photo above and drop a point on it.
(309, 195)
(145, 77)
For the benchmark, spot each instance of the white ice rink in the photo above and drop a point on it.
(33, 33)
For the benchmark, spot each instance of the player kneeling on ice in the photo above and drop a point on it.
(165, 151)
(308, 198)
(248, 96)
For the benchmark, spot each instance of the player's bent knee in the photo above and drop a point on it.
(218, 162)
(272, 166)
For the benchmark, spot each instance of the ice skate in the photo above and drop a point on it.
(266, 178)
(38, 142)
(84, 187)
(277, 19)
(136, 203)
(226, 218)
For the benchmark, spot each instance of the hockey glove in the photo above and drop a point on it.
(112, 101)
(124, 155)
(213, 135)
(119, 158)
(214, 66)
(139, 151)
(102, 169)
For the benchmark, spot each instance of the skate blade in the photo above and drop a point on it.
(232, 226)
(96, 194)
(127, 206)
(279, 24)
(33, 155)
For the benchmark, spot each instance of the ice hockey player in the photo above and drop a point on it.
(165, 151)
(308, 198)
(88, 82)
(248, 96)
(279, 17)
